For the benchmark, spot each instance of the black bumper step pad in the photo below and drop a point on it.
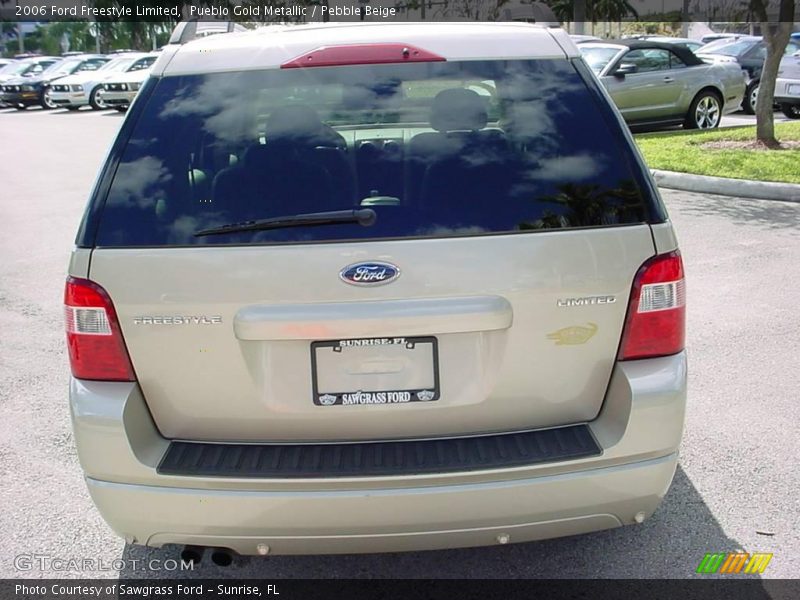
(378, 459)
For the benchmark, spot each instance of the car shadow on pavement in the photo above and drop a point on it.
(64, 111)
(670, 544)
(17, 111)
(744, 211)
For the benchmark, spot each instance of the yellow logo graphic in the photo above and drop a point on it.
(574, 335)
(734, 562)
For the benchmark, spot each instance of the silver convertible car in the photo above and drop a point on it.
(654, 83)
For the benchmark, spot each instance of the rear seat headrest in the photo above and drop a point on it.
(300, 124)
(293, 121)
(458, 109)
(258, 157)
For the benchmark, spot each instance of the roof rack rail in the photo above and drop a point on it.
(189, 30)
(531, 12)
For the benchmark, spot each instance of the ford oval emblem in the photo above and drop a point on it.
(369, 273)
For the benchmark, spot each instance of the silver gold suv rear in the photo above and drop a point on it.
(356, 288)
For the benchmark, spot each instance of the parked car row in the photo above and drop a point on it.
(653, 79)
(87, 87)
(73, 81)
(651, 84)
(749, 53)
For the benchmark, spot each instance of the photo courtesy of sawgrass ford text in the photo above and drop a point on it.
(103, 591)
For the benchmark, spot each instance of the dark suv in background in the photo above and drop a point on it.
(750, 52)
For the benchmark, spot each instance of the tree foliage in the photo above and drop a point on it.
(596, 10)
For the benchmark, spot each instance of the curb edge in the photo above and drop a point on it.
(761, 190)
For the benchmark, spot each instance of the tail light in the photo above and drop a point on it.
(96, 347)
(656, 321)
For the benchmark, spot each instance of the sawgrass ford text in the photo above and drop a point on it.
(144, 590)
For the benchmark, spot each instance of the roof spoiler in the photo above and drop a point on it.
(186, 31)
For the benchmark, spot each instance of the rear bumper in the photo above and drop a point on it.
(639, 429)
(734, 95)
(784, 94)
(731, 106)
(387, 520)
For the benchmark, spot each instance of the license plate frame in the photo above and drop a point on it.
(376, 397)
(793, 89)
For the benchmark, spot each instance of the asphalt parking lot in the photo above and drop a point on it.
(735, 489)
(740, 118)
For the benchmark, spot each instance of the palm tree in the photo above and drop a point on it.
(596, 10)
(610, 10)
(589, 204)
(563, 9)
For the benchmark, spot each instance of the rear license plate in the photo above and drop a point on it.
(375, 371)
(793, 89)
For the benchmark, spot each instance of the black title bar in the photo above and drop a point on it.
(392, 10)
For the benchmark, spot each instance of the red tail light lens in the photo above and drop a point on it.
(96, 347)
(656, 322)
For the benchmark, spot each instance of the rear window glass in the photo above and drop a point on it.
(435, 149)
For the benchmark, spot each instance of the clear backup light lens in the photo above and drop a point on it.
(87, 321)
(94, 339)
(662, 296)
(656, 321)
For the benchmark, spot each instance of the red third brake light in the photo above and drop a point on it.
(656, 321)
(96, 348)
(361, 54)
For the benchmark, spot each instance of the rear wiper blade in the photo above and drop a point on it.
(362, 216)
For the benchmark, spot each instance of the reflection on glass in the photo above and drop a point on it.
(436, 149)
(588, 205)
